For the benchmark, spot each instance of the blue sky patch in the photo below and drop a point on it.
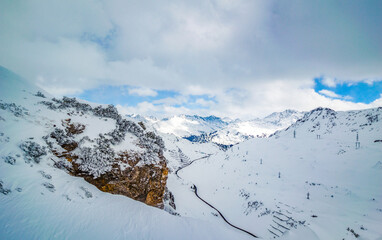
(199, 102)
(104, 42)
(120, 95)
(355, 92)
(125, 96)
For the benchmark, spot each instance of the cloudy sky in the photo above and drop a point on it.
(227, 58)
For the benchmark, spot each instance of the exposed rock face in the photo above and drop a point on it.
(144, 183)
(127, 175)
(73, 128)
(140, 175)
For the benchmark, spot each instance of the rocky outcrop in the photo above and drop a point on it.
(145, 183)
(32, 151)
(140, 175)
(125, 173)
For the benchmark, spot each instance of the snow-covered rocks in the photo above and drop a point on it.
(3, 189)
(10, 159)
(33, 151)
(137, 170)
(16, 110)
(50, 187)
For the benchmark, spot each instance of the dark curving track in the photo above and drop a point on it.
(210, 205)
(196, 193)
(188, 164)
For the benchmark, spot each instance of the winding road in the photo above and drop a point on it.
(188, 164)
(210, 205)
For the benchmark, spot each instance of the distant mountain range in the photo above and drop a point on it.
(294, 175)
(221, 131)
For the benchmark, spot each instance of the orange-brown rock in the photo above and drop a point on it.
(146, 183)
(142, 182)
(72, 128)
(142, 125)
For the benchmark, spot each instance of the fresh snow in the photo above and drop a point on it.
(259, 184)
(223, 131)
(344, 183)
(61, 206)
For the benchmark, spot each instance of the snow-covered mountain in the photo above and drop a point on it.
(186, 125)
(223, 132)
(325, 122)
(62, 158)
(239, 131)
(285, 118)
(310, 181)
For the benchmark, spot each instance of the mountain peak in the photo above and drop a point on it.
(321, 109)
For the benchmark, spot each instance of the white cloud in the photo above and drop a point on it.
(263, 99)
(204, 103)
(149, 109)
(330, 82)
(257, 100)
(180, 99)
(332, 94)
(329, 93)
(253, 57)
(144, 92)
(193, 30)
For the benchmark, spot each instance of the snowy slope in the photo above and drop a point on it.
(40, 201)
(262, 185)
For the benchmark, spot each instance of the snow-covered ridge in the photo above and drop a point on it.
(224, 132)
(325, 122)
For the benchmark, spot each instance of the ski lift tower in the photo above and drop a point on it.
(357, 143)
